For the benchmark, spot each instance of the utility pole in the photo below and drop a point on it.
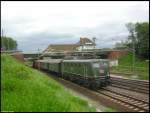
(38, 52)
(131, 28)
(8, 43)
(2, 33)
(2, 39)
(133, 49)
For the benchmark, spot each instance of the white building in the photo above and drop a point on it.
(85, 44)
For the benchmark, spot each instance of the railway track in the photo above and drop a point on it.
(142, 82)
(133, 81)
(134, 85)
(128, 93)
(126, 100)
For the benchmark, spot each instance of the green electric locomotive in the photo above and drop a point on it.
(91, 73)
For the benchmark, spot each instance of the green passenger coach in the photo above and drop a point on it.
(54, 65)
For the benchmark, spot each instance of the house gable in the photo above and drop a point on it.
(85, 41)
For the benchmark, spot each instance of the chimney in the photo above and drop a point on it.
(81, 40)
(94, 38)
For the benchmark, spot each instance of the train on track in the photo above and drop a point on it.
(91, 73)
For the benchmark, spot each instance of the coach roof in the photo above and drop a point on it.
(83, 60)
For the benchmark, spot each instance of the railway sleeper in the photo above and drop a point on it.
(126, 95)
(119, 98)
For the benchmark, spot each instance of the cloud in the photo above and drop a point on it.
(38, 24)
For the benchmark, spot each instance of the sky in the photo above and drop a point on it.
(37, 24)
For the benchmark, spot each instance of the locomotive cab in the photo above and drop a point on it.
(104, 65)
(101, 70)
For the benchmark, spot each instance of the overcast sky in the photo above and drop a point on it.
(37, 24)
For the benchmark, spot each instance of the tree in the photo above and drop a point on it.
(138, 39)
(120, 45)
(7, 43)
(139, 34)
(142, 35)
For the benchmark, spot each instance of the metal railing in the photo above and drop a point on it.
(128, 70)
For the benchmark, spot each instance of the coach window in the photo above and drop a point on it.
(79, 65)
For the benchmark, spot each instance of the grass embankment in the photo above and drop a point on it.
(25, 89)
(141, 69)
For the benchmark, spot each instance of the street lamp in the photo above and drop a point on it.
(94, 38)
(38, 52)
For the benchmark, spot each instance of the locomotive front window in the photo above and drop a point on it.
(96, 65)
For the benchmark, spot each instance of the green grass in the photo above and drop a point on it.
(125, 67)
(127, 61)
(25, 89)
(29, 63)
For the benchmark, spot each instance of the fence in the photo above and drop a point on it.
(140, 72)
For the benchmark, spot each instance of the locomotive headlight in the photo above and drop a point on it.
(101, 71)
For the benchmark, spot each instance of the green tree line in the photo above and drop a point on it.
(8, 43)
(138, 39)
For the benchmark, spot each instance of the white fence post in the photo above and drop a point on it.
(113, 63)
